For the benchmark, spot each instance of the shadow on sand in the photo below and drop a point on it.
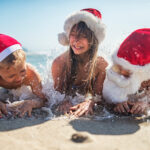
(7, 125)
(115, 126)
(38, 117)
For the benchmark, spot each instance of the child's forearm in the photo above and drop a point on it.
(95, 99)
(37, 103)
(149, 104)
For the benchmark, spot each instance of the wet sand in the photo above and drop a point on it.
(75, 134)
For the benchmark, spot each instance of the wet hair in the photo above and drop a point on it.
(82, 30)
(14, 58)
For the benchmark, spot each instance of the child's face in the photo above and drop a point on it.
(80, 44)
(120, 70)
(15, 74)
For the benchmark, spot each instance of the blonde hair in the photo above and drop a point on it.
(14, 58)
(71, 72)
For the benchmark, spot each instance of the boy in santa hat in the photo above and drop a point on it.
(15, 72)
(127, 84)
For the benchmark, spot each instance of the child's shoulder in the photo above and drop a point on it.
(61, 60)
(59, 64)
(31, 73)
(101, 63)
(30, 68)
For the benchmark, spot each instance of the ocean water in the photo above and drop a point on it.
(39, 61)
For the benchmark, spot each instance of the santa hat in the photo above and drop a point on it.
(91, 17)
(7, 46)
(134, 52)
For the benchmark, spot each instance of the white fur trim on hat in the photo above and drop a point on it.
(125, 64)
(62, 38)
(93, 22)
(9, 50)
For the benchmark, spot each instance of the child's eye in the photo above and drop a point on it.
(10, 77)
(83, 36)
(72, 35)
(22, 71)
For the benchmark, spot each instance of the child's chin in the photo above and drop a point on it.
(18, 83)
(78, 52)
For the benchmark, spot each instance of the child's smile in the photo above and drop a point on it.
(77, 47)
(80, 44)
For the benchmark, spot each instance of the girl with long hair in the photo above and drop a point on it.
(80, 69)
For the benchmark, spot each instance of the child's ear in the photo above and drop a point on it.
(63, 39)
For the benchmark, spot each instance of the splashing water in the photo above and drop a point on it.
(43, 62)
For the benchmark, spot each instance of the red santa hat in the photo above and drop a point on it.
(7, 46)
(91, 17)
(134, 52)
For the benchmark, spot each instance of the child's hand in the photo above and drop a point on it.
(3, 109)
(139, 107)
(21, 107)
(83, 108)
(64, 107)
(122, 107)
(25, 107)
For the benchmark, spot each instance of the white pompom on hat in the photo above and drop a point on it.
(93, 20)
(7, 46)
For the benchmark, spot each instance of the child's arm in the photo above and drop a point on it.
(100, 77)
(33, 80)
(58, 72)
(3, 109)
(64, 106)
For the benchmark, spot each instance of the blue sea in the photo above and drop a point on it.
(38, 60)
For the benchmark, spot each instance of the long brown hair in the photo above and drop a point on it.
(81, 29)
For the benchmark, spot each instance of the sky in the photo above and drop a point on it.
(36, 23)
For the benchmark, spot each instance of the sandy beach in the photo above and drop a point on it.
(77, 134)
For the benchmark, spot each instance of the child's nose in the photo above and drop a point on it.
(77, 40)
(19, 78)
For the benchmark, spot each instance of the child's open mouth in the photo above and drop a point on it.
(19, 82)
(78, 47)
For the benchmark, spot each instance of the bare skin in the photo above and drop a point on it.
(85, 107)
(15, 77)
(3, 109)
(138, 107)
